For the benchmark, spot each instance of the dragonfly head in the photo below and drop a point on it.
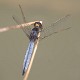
(38, 24)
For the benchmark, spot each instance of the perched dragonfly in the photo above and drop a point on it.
(38, 32)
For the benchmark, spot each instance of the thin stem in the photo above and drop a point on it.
(17, 26)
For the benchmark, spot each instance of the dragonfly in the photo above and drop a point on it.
(35, 34)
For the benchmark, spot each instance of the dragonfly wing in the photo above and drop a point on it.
(23, 16)
(59, 25)
(28, 57)
(26, 30)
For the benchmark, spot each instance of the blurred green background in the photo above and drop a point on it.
(57, 57)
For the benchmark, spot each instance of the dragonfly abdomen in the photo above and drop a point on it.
(28, 56)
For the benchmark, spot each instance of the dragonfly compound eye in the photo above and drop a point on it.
(38, 24)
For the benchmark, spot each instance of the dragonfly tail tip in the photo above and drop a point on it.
(23, 73)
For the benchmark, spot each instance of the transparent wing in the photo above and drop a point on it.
(60, 25)
(23, 16)
(24, 19)
(27, 30)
